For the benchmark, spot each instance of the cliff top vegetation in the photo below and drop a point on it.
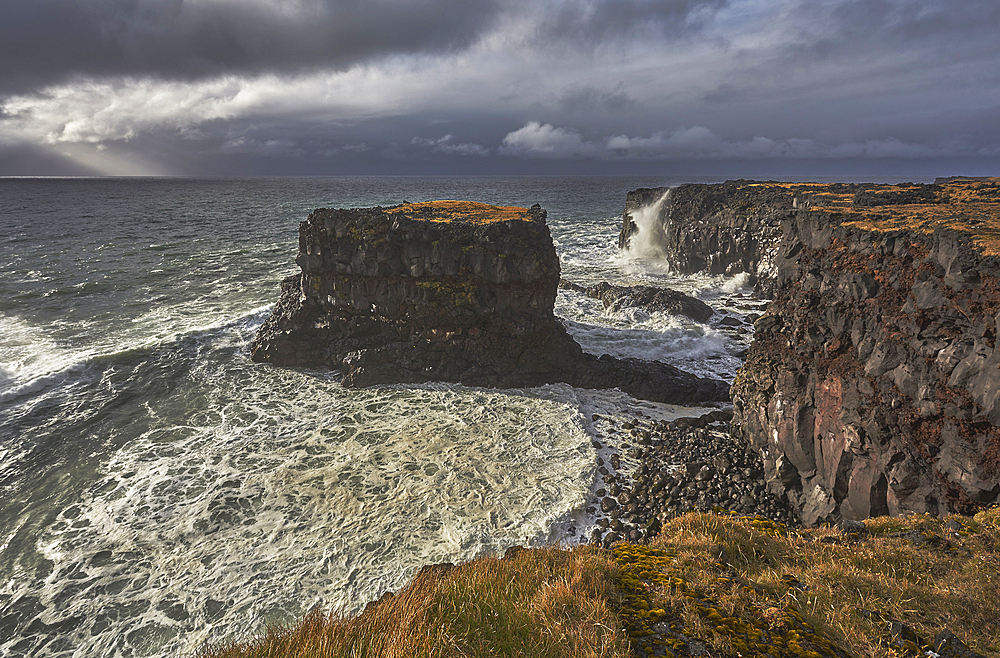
(969, 205)
(709, 584)
(461, 211)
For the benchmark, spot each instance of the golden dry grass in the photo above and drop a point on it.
(461, 211)
(969, 206)
(747, 586)
(549, 603)
(740, 586)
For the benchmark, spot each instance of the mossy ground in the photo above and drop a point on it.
(709, 584)
(969, 206)
(750, 587)
(461, 211)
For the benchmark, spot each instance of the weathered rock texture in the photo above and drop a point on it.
(443, 291)
(873, 382)
(650, 298)
(728, 228)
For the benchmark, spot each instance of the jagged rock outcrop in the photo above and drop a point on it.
(717, 229)
(725, 228)
(443, 291)
(873, 382)
(651, 299)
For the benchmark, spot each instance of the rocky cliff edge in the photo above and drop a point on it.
(873, 382)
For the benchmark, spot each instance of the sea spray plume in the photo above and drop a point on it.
(648, 242)
(643, 251)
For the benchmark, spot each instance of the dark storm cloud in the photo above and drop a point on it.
(587, 23)
(939, 31)
(48, 41)
(472, 86)
(588, 99)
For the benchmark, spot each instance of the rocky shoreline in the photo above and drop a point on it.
(872, 385)
(654, 470)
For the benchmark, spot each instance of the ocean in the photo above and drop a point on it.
(158, 490)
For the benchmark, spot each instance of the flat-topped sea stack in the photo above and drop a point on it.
(443, 291)
(873, 382)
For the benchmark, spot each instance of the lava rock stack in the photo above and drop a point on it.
(443, 291)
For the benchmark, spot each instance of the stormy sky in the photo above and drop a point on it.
(734, 87)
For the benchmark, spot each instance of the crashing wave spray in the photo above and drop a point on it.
(648, 242)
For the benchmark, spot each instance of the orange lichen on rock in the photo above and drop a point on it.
(461, 211)
(968, 205)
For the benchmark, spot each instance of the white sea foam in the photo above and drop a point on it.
(702, 349)
(738, 282)
(694, 347)
(30, 358)
(196, 496)
(348, 491)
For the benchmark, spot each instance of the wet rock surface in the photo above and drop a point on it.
(653, 470)
(651, 299)
(734, 227)
(726, 228)
(444, 291)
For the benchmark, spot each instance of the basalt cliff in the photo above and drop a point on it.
(443, 291)
(873, 382)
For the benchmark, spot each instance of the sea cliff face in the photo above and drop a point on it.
(718, 229)
(873, 382)
(443, 291)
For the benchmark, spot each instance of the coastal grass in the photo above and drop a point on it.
(710, 582)
(749, 586)
(970, 206)
(551, 603)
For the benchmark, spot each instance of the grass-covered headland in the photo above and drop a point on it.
(707, 585)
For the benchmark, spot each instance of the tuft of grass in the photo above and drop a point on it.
(748, 586)
(551, 603)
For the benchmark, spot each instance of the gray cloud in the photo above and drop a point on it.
(589, 99)
(698, 142)
(588, 22)
(45, 42)
(450, 146)
(939, 31)
(469, 86)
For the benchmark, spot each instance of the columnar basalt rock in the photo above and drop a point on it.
(716, 229)
(873, 382)
(443, 291)
(727, 228)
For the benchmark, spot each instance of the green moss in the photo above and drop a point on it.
(660, 605)
(449, 292)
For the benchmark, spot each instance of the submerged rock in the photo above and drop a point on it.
(652, 299)
(443, 291)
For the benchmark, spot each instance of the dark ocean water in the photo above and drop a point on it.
(158, 490)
